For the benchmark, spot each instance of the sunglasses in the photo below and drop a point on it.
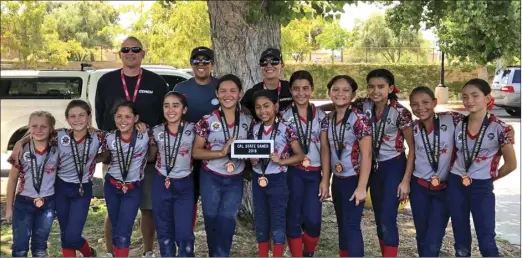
(203, 61)
(134, 50)
(273, 62)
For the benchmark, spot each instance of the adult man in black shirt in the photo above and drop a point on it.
(271, 63)
(147, 90)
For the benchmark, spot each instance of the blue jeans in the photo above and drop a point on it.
(479, 199)
(122, 209)
(304, 206)
(430, 216)
(172, 212)
(270, 205)
(31, 223)
(348, 215)
(220, 199)
(72, 210)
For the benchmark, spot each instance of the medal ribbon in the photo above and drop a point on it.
(126, 89)
(224, 124)
(304, 140)
(275, 126)
(339, 140)
(172, 154)
(37, 172)
(81, 162)
(432, 154)
(125, 162)
(468, 161)
(377, 136)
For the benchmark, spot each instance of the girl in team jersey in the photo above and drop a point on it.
(308, 182)
(349, 136)
(127, 149)
(270, 187)
(391, 171)
(173, 186)
(221, 179)
(34, 173)
(480, 140)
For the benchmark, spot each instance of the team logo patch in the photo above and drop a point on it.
(444, 128)
(368, 113)
(188, 133)
(459, 137)
(491, 136)
(214, 101)
(113, 144)
(140, 136)
(348, 126)
(415, 131)
(388, 121)
(65, 140)
(27, 156)
(215, 127)
(161, 136)
(244, 126)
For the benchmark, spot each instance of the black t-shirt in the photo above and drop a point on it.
(285, 98)
(149, 101)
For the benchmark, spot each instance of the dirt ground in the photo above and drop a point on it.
(244, 244)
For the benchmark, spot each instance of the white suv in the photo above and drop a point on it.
(506, 89)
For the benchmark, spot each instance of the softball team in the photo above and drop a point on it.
(453, 162)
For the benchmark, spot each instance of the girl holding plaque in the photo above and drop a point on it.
(221, 180)
(32, 213)
(309, 181)
(127, 149)
(270, 187)
(481, 139)
(349, 135)
(390, 180)
(173, 185)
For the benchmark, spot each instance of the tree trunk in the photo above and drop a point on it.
(238, 46)
(483, 72)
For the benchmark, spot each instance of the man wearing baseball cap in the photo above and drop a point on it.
(271, 64)
(200, 92)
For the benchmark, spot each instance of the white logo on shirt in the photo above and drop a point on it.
(27, 156)
(216, 127)
(113, 144)
(161, 136)
(214, 101)
(146, 91)
(65, 140)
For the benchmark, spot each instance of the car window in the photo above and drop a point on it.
(41, 88)
(516, 76)
(172, 80)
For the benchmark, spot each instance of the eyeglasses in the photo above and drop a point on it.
(273, 62)
(203, 61)
(134, 50)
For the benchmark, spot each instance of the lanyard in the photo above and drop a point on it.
(81, 162)
(377, 136)
(125, 162)
(432, 154)
(224, 124)
(171, 155)
(37, 172)
(126, 89)
(476, 148)
(339, 140)
(275, 126)
(304, 140)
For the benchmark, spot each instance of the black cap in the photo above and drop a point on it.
(271, 52)
(202, 51)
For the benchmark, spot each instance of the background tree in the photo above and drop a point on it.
(334, 37)
(478, 31)
(298, 37)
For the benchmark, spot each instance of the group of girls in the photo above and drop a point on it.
(360, 143)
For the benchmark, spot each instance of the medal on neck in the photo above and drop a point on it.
(470, 158)
(304, 139)
(80, 162)
(230, 166)
(125, 161)
(171, 154)
(339, 139)
(263, 180)
(432, 154)
(378, 133)
(37, 173)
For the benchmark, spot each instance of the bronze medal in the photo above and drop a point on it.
(435, 181)
(306, 162)
(466, 180)
(38, 202)
(167, 183)
(262, 181)
(124, 188)
(339, 167)
(230, 167)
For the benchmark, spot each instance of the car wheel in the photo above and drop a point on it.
(513, 112)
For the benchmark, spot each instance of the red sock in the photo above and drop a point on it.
(66, 252)
(390, 251)
(86, 249)
(310, 243)
(263, 249)
(343, 253)
(121, 252)
(278, 250)
(381, 244)
(195, 216)
(296, 246)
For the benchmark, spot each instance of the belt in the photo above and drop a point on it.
(118, 184)
(308, 169)
(429, 186)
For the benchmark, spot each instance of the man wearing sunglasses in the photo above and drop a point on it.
(271, 64)
(201, 98)
(146, 89)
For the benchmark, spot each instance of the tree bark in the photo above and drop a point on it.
(238, 45)
(483, 72)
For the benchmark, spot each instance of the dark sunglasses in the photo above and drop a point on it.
(203, 61)
(134, 50)
(273, 62)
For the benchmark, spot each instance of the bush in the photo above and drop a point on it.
(407, 76)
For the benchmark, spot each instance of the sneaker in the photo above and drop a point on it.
(108, 255)
(149, 254)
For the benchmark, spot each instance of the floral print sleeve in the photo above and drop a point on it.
(502, 132)
(404, 119)
(290, 134)
(324, 124)
(362, 126)
(202, 128)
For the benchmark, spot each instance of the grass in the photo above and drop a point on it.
(244, 244)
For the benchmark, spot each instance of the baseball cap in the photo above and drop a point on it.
(202, 51)
(271, 52)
